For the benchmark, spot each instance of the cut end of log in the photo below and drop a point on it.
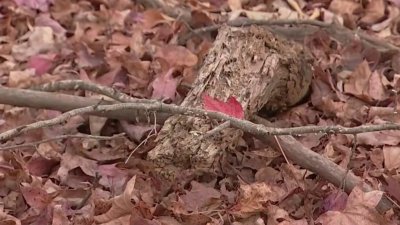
(258, 68)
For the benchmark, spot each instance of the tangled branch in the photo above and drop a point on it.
(262, 130)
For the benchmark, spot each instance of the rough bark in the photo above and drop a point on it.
(259, 69)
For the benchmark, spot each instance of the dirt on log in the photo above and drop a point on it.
(259, 69)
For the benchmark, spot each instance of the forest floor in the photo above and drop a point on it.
(87, 169)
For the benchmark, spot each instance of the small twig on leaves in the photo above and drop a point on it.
(336, 129)
(151, 134)
(291, 167)
(353, 149)
(216, 130)
(86, 136)
(95, 184)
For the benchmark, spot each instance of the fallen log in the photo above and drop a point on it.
(260, 70)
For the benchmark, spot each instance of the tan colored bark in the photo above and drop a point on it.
(251, 64)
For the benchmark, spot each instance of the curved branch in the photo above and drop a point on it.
(139, 111)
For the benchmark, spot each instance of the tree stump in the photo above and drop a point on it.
(260, 70)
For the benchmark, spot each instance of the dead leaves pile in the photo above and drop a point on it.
(134, 49)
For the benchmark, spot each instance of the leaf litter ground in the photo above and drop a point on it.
(123, 45)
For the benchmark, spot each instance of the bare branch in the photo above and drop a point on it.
(86, 136)
(241, 22)
(247, 126)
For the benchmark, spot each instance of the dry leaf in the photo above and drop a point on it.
(374, 12)
(235, 4)
(391, 156)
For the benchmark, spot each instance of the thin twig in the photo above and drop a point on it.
(95, 184)
(288, 162)
(353, 149)
(86, 136)
(67, 85)
(151, 134)
(247, 126)
(216, 130)
(241, 22)
(335, 29)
